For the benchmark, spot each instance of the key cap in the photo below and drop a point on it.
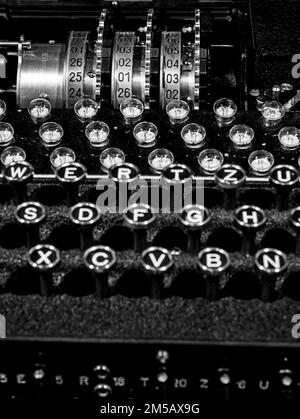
(270, 264)
(19, 174)
(213, 263)
(176, 181)
(70, 175)
(194, 218)
(85, 215)
(249, 219)
(295, 222)
(139, 218)
(230, 177)
(44, 258)
(31, 215)
(156, 261)
(99, 260)
(283, 177)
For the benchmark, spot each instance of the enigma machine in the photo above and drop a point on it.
(149, 205)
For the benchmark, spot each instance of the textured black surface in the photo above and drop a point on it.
(276, 26)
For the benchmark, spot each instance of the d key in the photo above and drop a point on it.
(283, 177)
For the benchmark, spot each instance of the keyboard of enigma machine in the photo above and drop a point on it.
(197, 270)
